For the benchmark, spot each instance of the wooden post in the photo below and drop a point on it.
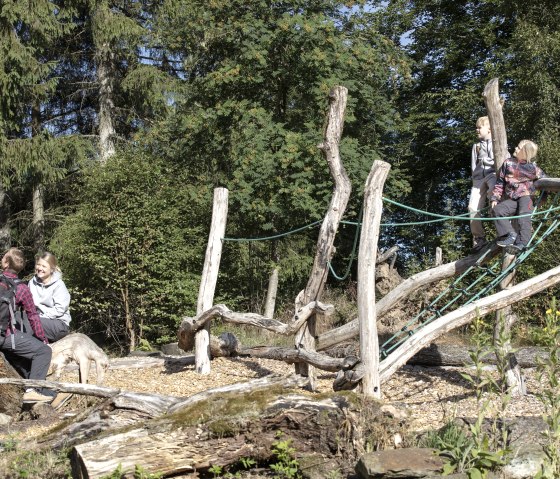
(210, 277)
(270, 303)
(497, 125)
(439, 257)
(504, 318)
(330, 147)
(369, 343)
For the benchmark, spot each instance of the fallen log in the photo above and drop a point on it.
(299, 356)
(458, 355)
(459, 317)
(145, 403)
(222, 432)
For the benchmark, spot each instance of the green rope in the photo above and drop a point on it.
(463, 217)
(280, 235)
(353, 253)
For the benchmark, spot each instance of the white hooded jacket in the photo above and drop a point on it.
(51, 300)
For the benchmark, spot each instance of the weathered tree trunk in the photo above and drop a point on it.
(369, 344)
(439, 257)
(270, 303)
(342, 188)
(315, 428)
(5, 236)
(105, 78)
(504, 318)
(497, 125)
(209, 278)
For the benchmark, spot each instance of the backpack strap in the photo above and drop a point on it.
(12, 284)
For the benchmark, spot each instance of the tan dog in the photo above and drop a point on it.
(81, 349)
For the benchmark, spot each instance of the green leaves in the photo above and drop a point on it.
(133, 249)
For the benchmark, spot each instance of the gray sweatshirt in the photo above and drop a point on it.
(51, 300)
(482, 160)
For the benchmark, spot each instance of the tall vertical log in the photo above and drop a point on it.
(330, 147)
(5, 236)
(497, 125)
(504, 318)
(210, 277)
(272, 291)
(369, 344)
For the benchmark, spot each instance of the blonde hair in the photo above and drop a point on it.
(49, 258)
(15, 259)
(530, 149)
(483, 121)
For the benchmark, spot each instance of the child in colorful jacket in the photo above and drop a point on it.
(515, 182)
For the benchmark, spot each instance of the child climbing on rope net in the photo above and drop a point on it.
(515, 183)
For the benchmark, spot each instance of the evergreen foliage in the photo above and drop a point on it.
(257, 76)
(233, 93)
(133, 250)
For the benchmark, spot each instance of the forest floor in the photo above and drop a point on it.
(431, 396)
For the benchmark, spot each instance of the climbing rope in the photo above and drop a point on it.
(486, 278)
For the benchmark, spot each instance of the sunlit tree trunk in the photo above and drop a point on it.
(38, 190)
(105, 77)
(5, 237)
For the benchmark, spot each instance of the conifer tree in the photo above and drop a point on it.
(28, 29)
(256, 77)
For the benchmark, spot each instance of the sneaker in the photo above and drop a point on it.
(61, 399)
(508, 240)
(479, 243)
(34, 396)
(515, 248)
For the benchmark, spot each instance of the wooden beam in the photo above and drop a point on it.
(210, 277)
(369, 343)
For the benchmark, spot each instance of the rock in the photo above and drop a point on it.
(173, 349)
(5, 419)
(526, 430)
(527, 462)
(399, 464)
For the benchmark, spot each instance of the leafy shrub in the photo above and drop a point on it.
(132, 251)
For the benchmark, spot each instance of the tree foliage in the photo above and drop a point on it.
(133, 249)
(234, 93)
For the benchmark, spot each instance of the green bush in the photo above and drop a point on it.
(132, 252)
